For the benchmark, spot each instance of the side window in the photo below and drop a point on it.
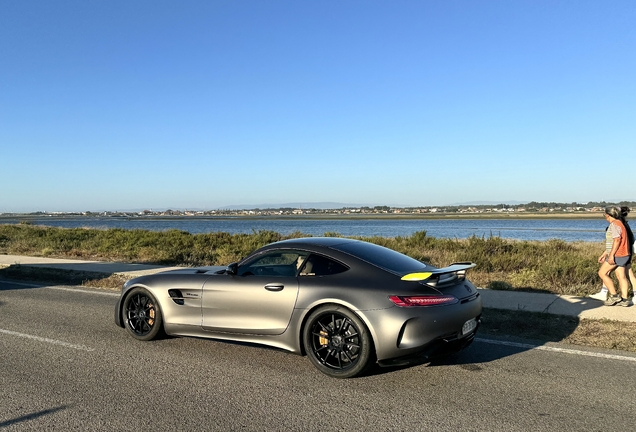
(317, 265)
(274, 263)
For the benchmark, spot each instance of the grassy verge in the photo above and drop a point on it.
(551, 266)
(543, 328)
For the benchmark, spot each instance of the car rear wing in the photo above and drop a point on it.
(455, 270)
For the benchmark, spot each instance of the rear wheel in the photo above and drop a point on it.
(337, 342)
(141, 315)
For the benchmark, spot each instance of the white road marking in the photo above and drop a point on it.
(19, 283)
(104, 293)
(47, 340)
(555, 349)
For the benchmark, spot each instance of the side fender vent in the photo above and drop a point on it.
(176, 296)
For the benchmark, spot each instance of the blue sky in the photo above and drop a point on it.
(120, 105)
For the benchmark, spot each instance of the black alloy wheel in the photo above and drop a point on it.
(142, 316)
(337, 342)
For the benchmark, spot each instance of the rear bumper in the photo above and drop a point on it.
(440, 347)
(404, 332)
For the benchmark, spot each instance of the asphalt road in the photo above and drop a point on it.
(66, 366)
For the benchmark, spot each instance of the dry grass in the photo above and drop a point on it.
(558, 328)
(551, 266)
(111, 283)
(605, 334)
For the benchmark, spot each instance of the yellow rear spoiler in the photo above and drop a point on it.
(459, 268)
(417, 276)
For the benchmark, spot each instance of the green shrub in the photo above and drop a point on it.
(553, 265)
(499, 285)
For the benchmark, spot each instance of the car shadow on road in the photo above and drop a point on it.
(32, 416)
(504, 333)
(470, 358)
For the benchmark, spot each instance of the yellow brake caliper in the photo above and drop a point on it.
(151, 312)
(323, 338)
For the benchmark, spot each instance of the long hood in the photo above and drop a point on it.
(196, 270)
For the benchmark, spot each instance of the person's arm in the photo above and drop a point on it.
(612, 254)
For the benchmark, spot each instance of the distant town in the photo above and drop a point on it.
(535, 208)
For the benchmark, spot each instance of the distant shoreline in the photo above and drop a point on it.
(437, 216)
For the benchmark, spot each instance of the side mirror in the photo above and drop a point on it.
(231, 269)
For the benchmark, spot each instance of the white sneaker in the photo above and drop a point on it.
(601, 295)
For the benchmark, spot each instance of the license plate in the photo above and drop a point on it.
(469, 326)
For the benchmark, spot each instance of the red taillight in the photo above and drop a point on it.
(425, 300)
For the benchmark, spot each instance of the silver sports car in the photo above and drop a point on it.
(346, 304)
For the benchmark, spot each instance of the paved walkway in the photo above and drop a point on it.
(582, 307)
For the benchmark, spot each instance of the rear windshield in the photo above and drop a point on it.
(382, 257)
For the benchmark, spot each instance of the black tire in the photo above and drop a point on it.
(337, 342)
(141, 315)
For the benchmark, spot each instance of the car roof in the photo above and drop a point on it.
(316, 244)
(314, 241)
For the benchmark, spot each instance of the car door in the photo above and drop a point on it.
(259, 299)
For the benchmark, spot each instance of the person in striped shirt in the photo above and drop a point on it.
(616, 258)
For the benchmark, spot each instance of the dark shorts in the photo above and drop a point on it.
(623, 261)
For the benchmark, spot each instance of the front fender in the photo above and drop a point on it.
(118, 319)
(128, 285)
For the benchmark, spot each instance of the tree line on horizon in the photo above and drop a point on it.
(533, 206)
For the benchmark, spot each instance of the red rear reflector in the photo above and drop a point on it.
(427, 300)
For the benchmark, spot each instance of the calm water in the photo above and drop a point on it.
(592, 230)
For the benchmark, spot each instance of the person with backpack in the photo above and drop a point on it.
(632, 242)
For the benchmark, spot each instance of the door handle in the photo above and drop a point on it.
(274, 287)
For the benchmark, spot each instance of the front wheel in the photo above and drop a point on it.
(141, 315)
(337, 342)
